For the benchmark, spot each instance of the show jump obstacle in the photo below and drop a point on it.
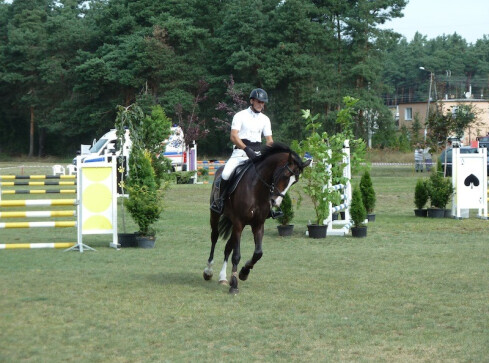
(345, 196)
(96, 204)
(469, 180)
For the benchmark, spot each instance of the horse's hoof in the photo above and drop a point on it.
(243, 276)
(233, 290)
(224, 282)
(207, 276)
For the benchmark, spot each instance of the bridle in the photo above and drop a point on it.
(274, 191)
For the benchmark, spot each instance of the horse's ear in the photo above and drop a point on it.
(306, 163)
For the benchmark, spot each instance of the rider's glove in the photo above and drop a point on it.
(250, 153)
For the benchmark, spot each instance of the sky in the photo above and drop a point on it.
(468, 18)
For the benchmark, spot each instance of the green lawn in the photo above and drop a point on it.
(414, 290)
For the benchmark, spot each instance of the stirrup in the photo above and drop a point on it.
(217, 206)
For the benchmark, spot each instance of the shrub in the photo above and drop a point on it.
(440, 189)
(288, 211)
(421, 194)
(357, 209)
(368, 192)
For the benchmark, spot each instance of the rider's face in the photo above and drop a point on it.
(258, 106)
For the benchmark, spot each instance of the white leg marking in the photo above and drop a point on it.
(208, 269)
(222, 274)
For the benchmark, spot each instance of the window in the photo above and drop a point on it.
(408, 113)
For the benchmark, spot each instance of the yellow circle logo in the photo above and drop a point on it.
(97, 198)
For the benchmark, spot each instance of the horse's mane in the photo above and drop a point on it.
(275, 148)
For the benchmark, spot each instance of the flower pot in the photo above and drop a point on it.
(359, 232)
(317, 231)
(146, 241)
(285, 230)
(448, 213)
(421, 212)
(371, 217)
(127, 240)
(436, 213)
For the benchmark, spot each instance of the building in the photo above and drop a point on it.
(407, 113)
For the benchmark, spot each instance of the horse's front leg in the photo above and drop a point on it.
(236, 237)
(258, 237)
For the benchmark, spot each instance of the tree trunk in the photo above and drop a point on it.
(42, 137)
(31, 134)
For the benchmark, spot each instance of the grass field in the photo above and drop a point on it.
(414, 290)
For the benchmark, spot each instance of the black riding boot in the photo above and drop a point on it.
(219, 188)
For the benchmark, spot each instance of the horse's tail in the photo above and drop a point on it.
(225, 226)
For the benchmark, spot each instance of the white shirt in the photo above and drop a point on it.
(251, 125)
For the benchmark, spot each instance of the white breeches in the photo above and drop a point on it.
(237, 157)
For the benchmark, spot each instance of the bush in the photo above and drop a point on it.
(421, 194)
(368, 192)
(145, 201)
(440, 189)
(357, 209)
(288, 211)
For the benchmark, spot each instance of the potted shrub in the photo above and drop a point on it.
(368, 195)
(145, 200)
(285, 228)
(146, 169)
(317, 175)
(421, 197)
(440, 190)
(358, 214)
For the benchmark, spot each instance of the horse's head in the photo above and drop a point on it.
(288, 168)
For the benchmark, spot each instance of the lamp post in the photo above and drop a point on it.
(429, 99)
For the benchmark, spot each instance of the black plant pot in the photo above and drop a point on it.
(317, 231)
(421, 212)
(371, 217)
(359, 232)
(127, 240)
(436, 213)
(285, 230)
(146, 241)
(448, 213)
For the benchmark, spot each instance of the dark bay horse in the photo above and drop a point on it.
(261, 187)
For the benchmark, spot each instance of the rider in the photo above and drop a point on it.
(247, 129)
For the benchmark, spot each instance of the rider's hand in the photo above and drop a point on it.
(250, 153)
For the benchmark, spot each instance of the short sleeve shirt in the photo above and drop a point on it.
(251, 125)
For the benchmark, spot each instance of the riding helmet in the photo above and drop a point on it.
(259, 94)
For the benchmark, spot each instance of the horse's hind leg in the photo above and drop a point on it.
(223, 280)
(258, 236)
(214, 236)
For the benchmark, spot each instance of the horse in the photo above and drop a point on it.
(261, 186)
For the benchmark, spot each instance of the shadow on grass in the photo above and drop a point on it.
(189, 279)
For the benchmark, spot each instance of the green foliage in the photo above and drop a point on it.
(316, 176)
(183, 177)
(145, 200)
(440, 189)
(421, 194)
(288, 211)
(357, 209)
(144, 205)
(69, 66)
(368, 192)
(403, 140)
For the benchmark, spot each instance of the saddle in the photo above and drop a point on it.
(235, 178)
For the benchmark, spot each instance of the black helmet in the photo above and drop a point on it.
(259, 94)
